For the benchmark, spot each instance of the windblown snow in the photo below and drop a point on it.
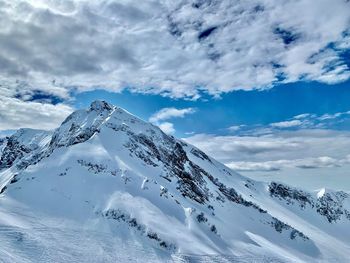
(108, 187)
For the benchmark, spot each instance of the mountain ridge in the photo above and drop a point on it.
(103, 162)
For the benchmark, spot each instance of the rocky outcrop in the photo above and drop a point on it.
(81, 125)
(329, 205)
(23, 147)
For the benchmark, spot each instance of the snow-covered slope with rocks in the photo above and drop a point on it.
(108, 187)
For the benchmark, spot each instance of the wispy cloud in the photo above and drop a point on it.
(235, 128)
(168, 113)
(331, 121)
(287, 124)
(337, 115)
(328, 120)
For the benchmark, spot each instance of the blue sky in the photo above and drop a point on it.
(262, 85)
(215, 115)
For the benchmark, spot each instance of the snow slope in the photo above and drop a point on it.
(108, 187)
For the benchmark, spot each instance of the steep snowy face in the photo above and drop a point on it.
(122, 180)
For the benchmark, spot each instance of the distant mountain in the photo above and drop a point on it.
(108, 187)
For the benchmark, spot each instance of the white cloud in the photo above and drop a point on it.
(302, 116)
(167, 127)
(160, 116)
(255, 166)
(286, 124)
(168, 113)
(338, 120)
(278, 150)
(306, 163)
(328, 116)
(16, 114)
(173, 48)
(235, 128)
(305, 141)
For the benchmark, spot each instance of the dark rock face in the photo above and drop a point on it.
(12, 152)
(3, 142)
(149, 154)
(191, 178)
(101, 105)
(75, 135)
(201, 218)
(73, 132)
(171, 154)
(280, 227)
(93, 167)
(291, 195)
(121, 216)
(201, 155)
(330, 205)
(191, 182)
(2, 190)
(16, 148)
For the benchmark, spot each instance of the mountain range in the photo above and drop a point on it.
(107, 186)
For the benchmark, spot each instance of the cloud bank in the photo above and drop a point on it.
(172, 48)
(15, 114)
(306, 141)
(303, 149)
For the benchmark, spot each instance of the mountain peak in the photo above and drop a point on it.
(107, 167)
(99, 105)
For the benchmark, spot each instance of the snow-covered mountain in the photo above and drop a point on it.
(108, 187)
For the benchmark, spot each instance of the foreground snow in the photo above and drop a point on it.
(108, 187)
